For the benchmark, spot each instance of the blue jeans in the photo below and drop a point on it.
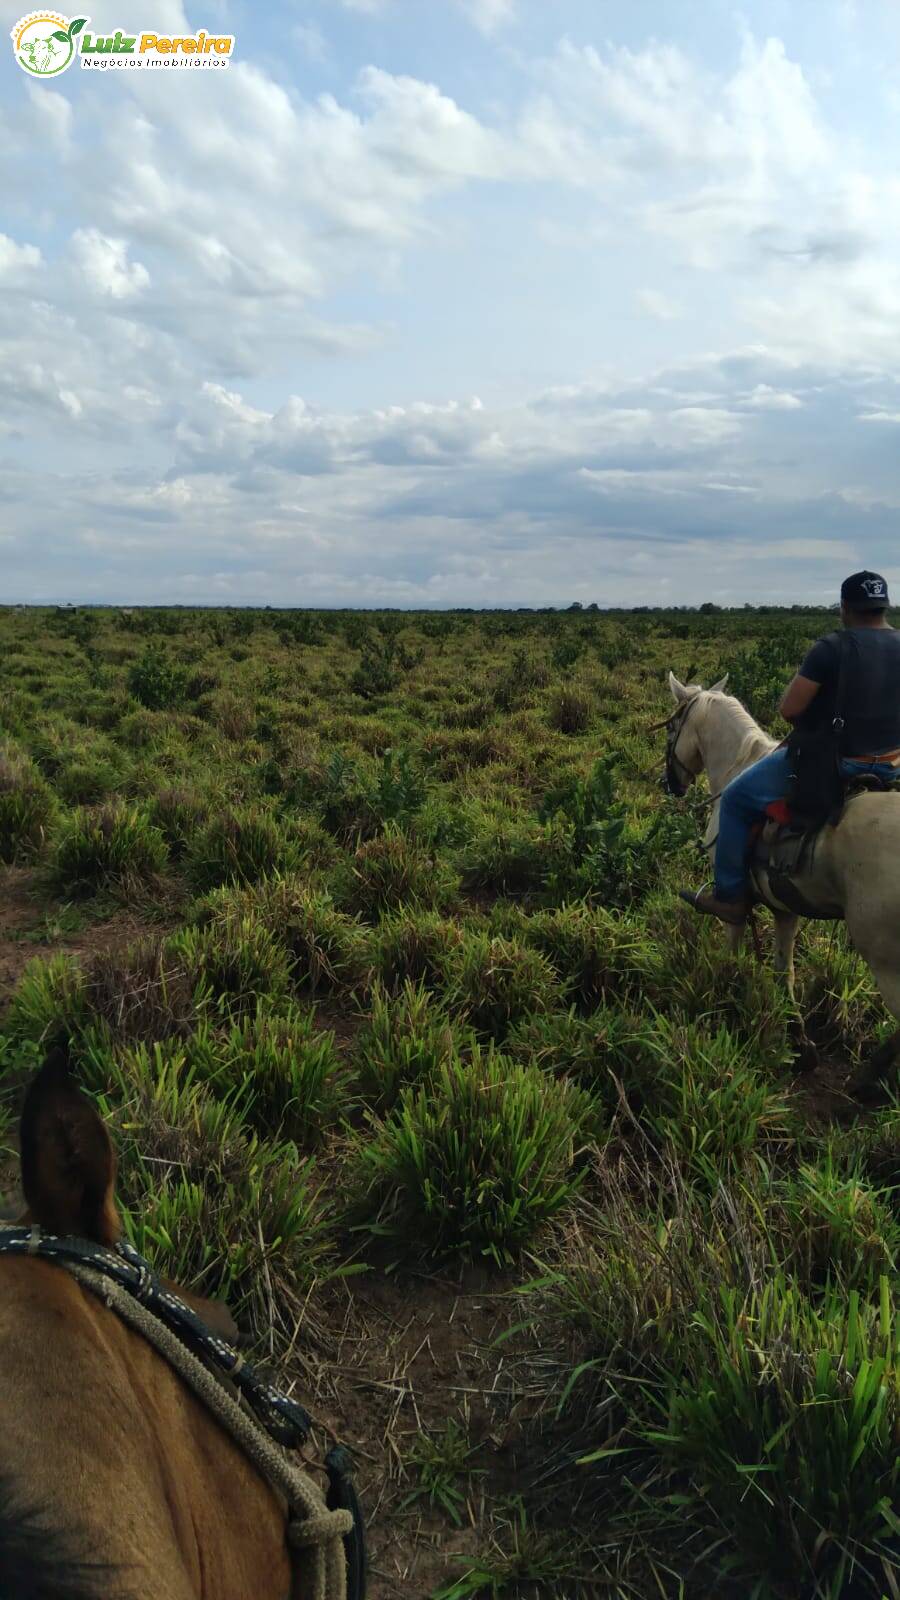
(744, 802)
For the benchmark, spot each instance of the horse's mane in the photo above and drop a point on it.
(39, 1562)
(753, 741)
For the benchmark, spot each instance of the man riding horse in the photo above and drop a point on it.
(869, 738)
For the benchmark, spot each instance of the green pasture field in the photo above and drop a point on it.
(364, 931)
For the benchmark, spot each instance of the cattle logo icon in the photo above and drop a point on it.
(44, 42)
(874, 587)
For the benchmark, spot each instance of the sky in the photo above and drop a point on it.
(456, 302)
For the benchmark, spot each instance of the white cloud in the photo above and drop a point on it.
(105, 264)
(658, 305)
(249, 248)
(765, 398)
(17, 260)
(489, 15)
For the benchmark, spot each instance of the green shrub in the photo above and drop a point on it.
(328, 950)
(608, 856)
(571, 710)
(109, 847)
(838, 1226)
(178, 814)
(494, 983)
(289, 1071)
(157, 681)
(477, 1160)
(238, 846)
(406, 1039)
(391, 871)
(232, 964)
(415, 946)
(27, 808)
(398, 789)
(598, 955)
(376, 674)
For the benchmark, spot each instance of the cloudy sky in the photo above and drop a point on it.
(436, 302)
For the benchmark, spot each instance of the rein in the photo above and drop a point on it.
(329, 1527)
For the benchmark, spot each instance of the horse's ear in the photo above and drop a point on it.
(68, 1162)
(716, 688)
(679, 692)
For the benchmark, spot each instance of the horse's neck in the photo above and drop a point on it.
(730, 741)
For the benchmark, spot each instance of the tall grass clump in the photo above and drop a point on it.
(110, 847)
(287, 1068)
(27, 808)
(413, 946)
(784, 1418)
(405, 1039)
(477, 1160)
(179, 814)
(708, 1104)
(232, 965)
(51, 998)
(598, 955)
(508, 855)
(238, 846)
(390, 871)
(838, 1226)
(259, 1239)
(571, 710)
(328, 951)
(611, 1052)
(494, 983)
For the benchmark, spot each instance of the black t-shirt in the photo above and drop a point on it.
(872, 693)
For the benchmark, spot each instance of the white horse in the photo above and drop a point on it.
(853, 867)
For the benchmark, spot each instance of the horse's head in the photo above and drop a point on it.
(115, 1478)
(684, 755)
(69, 1171)
(68, 1162)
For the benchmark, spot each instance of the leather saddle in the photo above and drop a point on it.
(784, 845)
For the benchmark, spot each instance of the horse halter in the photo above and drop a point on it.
(673, 781)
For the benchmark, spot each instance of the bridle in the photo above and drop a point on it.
(678, 778)
(280, 1417)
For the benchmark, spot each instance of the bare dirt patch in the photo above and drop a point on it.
(33, 923)
(396, 1358)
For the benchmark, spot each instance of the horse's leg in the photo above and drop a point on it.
(786, 925)
(874, 937)
(734, 932)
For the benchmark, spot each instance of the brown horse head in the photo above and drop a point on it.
(115, 1482)
(68, 1162)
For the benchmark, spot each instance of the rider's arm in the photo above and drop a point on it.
(798, 697)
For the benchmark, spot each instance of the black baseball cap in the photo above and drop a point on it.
(865, 591)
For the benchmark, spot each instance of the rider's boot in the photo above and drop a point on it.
(709, 905)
